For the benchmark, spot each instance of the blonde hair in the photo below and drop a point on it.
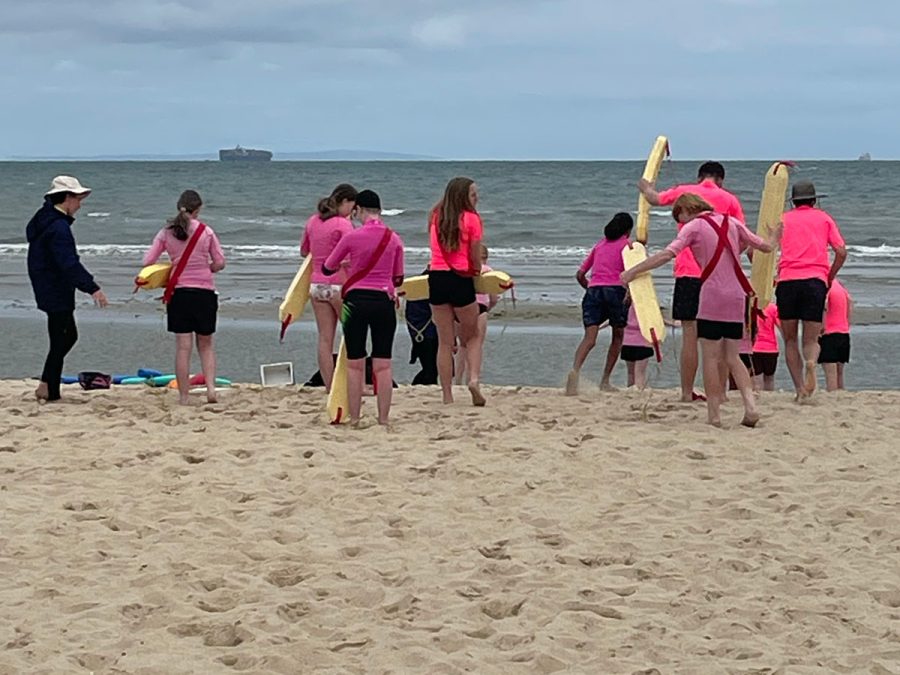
(692, 204)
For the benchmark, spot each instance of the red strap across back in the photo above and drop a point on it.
(182, 262)
(723, 243)
(376, 256)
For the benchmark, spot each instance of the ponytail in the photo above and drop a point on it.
(328, 206)
(188, 203)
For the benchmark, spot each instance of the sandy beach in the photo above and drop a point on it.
(608, 533)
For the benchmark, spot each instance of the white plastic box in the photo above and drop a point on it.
(276, 374)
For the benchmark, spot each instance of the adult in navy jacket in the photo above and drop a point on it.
(55, 272)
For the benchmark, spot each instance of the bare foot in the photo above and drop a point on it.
(42, 393)
(477, 399)
(447, 397)
(750, 419)
(714, 422)
(184, 400)
(809, 381)
(212, 398)
(572, 383)
(606, 386)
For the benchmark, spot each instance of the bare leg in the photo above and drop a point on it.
(384, 385)
(769, 382)
(742, 379)
(469, 336)
(840, 375)
(356, 376)
(183, 347)
(612, 355)
(831, 376)
(629, 368)
(758, 382)
(789, 329)
(581, 353)
(326, 313)
(712, 378)
(811, 332)
(640, 373)
(442, 315)
(689, 359)
(207, 353)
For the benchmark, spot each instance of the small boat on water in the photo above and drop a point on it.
(865, 157)
(239, 154)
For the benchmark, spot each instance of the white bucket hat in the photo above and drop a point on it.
(66, 184)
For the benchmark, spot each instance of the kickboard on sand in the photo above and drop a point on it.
(297, 295)
(338, 397)
(658, 153)
(152, 277)
(494, 282)
(771, 210)
(643, 297)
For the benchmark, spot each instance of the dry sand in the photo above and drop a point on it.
(611, 533)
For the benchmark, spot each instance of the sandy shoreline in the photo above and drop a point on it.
(599, 534)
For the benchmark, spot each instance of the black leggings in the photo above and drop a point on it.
(63, 336)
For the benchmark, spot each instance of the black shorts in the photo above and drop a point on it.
(367, 312)
(801, 300)
(686, 299)
(747, 360)
(635, 353)
(720, 330)
(450, 288)
(834, 348)
(602, 303)
(765, 363)
(192, 310)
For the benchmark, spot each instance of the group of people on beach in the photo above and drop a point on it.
(357, 271)
(712, 296)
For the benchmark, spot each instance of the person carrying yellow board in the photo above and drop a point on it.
(686, 296)
(716, 241)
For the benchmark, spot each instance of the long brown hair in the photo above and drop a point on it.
(449, 210)
(188, 203)
(328, 206)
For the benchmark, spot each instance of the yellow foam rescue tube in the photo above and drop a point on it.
(153, 276)
(643, 297)
(658, 153)
(771, 210)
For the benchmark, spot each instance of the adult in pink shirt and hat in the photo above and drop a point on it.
(805, 274)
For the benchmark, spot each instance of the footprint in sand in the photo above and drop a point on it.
(502, 609)
(238, 661)
(287, 576)
(292, 612)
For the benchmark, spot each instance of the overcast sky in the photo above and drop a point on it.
(479, 79)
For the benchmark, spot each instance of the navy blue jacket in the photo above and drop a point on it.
(53, 265)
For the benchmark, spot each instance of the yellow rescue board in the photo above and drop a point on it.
(771, 209)
(643, 298)
(297, 295)
(153, 276)
(492, 283)
(338, 397)
(651, 172)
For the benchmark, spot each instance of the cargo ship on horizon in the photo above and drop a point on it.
(239, 154)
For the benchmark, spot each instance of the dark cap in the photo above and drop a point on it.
(368, 200)
(804, 189)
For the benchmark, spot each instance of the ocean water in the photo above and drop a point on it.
(540, 220)
(540, 217)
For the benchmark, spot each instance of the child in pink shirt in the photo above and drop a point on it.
(636, 351)
(834, 342)
(722, 309)
(322, 233)
(686, 296)
(375, 254)
(194, 305)
(604, 298)
(765, 348)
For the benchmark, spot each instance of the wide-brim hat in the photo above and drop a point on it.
(804, 189)
(67, 184)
